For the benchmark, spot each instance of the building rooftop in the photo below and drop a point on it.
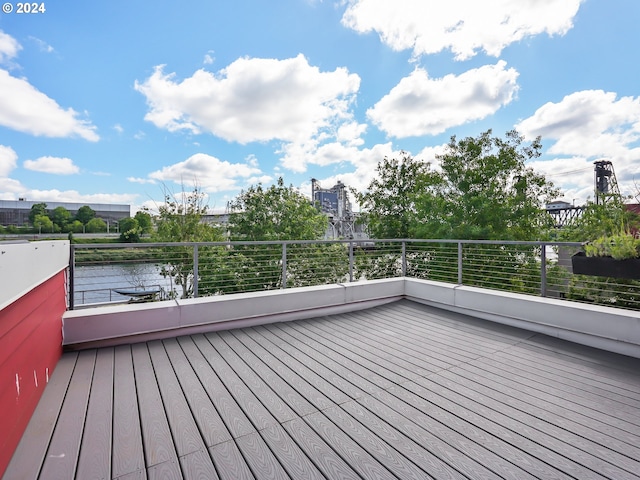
(402, 390)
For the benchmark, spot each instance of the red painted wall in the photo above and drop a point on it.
(30, 346)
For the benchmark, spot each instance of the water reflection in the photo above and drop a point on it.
(97, 283)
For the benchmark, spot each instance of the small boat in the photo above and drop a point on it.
(140, 294)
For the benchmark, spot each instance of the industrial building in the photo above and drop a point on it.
(16, 212)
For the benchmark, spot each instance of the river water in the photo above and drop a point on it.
(96, 283)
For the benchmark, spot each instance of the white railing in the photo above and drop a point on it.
(104, 273)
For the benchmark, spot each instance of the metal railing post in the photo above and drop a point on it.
(72, 261)
(543, 270)
(195, 271)
(459, 263)
(350, 261)
(404, 258)
(284, 265)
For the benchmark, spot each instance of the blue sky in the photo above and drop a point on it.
(116, 102)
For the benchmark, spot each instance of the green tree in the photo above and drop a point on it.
(43, 223)
(180, 220)
(75, 226)
(85, 214)
(275, 213)
(96, 225)
(37, 209)
(392, 200)
(483, 190)
(145, 221)
(489, 193)
(61, 218)
(279, 213)
(129, 230)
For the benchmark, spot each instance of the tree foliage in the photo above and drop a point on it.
(129, 230)
(43, 223)
(275, 213)
(393, 198)
(482, 190)
(85, 214)
(145, 222)
(180, 220)
(96, 225)
(489, 193)
(61, 218)
(37, 209)
(279, 213)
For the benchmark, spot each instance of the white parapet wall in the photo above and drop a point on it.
(25, 265)
(110, 325)
(611, 329)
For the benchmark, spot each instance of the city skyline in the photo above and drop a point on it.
(118, 102)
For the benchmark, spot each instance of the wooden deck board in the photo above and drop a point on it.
(127, 453)
(289, 454)
(210, 423)
(600, 437)
(32, 448)
(240, 393)
(558, 397)
(507, 437)
(304, 363)
(64, 449)
(271, 375)
(399, 391)
(572, 446)
(271, 401)
(234, 418)
(95, 455)
(184, 430)
(229, 462)
(343, 371)
(159, 447)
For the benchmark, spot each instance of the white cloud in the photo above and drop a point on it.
(24, 108)
(463, 26)
(12, 190)
(209, 58)
(210, 173)
(428, 154)
(141, 181)
(8, 160)
(54, 165)
(254, 100)
(9, 47)
(586, 126)
(118, 128)
(420, 105)
(588, 123)
(42, 45)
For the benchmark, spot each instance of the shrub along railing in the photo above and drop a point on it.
(106, 273)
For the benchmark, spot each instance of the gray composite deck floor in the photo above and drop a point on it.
(397, 391)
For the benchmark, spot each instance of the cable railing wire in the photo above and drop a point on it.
(116, 273)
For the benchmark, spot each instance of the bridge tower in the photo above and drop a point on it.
(605, 183)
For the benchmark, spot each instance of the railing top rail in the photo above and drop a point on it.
(345, 241)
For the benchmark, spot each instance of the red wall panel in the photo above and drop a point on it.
(30, 347)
